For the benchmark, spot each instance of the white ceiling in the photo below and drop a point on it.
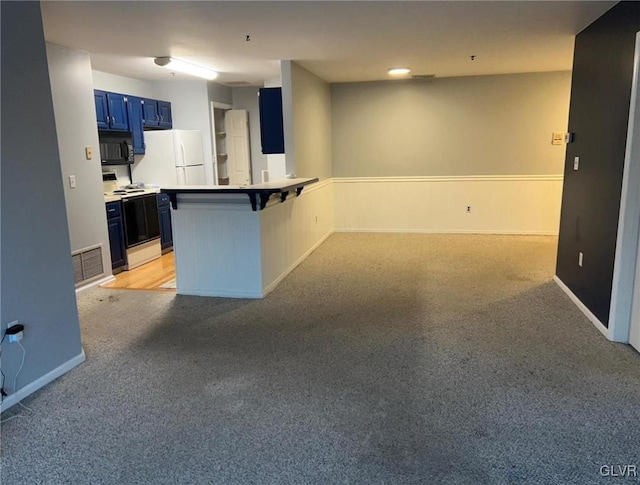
(338, 41)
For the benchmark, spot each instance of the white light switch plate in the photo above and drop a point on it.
(557, 138)
(576, 163)
(72, 181)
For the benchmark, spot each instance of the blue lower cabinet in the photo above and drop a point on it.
(164, 216)
(116, 235)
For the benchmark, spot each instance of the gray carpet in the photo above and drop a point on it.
(382, 359)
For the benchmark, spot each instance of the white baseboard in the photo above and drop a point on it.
(592, 318)
(42, 381)
(277, 281)
(436, 231)
(223, 294)
(102, 281)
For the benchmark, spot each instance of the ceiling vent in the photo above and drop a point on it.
(237, 83)
(423, 77)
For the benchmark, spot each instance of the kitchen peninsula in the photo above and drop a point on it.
(237, 241)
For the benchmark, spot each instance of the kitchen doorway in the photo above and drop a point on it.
(159, 274)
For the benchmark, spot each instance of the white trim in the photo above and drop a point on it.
(218, 105)
(102, 281)
(42, 381)
(628, 238)
(223, 294)
(582, 307)
(313, 187)
(453, 178)
(277, 281)
(436, 231)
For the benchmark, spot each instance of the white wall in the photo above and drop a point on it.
(72, 91)
(124, 85)
(498, 205)
(292, 230)
(479, 125)
(37, 278)
(190, 111)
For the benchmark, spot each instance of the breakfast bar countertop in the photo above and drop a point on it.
(258, 194)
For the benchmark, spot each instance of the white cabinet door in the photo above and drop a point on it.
(236, 124)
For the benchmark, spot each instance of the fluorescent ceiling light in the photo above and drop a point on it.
(399, 71)
(186, 67)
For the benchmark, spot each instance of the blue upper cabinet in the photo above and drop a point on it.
(130, 113)
(118, 111)
(134, 107)
(111, 111)
(156, 114)
(271, 126)
(150, 114)
(164, 110)
(102, 110)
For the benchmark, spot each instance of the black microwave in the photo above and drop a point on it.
(116, 147)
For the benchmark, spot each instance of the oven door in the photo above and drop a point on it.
(140, 219)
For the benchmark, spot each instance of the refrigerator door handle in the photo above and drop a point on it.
(182, 156)
(182, 175)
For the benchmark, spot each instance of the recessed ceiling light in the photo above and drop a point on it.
(399, 71)
(186, 67)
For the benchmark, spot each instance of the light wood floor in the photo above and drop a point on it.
(149, 276)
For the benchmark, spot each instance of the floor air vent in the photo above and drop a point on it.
(87, 264)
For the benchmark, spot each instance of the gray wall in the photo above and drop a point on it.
(481, 125)
(220, 93)
(312, 130)
(37, 279)
(247, 98)
(75, 115)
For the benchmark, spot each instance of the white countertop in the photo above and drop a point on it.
(116, 197)
(274, 185)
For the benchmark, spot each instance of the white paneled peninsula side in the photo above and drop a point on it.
(239, 241)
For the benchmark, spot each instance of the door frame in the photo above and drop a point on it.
(628, 238)
(212, 125)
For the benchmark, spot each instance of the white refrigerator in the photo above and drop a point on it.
(172, 157)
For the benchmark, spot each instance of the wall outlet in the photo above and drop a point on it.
(468, 208)
(580, 259)
(72, 181)
(14, 331)
(16, 337)
(576, 163)
(88, 153)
